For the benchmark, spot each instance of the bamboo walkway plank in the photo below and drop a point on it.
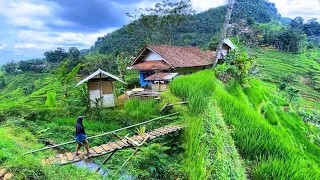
(67, 158)
(4, 175)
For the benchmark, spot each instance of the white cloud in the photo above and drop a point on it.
(34, 39)
(3, 46)
(29, 14)
(202, 5)
(33, 46)
(293, 8)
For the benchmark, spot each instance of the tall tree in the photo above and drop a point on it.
(224, 31)
(163, 19)
(10, 67)
(56, 56)
(312, 27)
(297, 23)
(122, 63)
(74, 53)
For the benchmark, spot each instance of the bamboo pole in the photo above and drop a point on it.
(104, 134)
(134, 153)
(106, 160)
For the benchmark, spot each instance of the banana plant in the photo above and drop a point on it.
(66, 77)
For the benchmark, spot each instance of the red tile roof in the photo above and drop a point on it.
(179, 56)
(156, 76)
(151, 65)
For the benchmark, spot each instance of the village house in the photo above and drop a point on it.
(101, 88)
(160, 64)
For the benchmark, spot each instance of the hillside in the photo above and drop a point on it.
(272, 142)
(301, 71)
(197, 29)
(255, 116)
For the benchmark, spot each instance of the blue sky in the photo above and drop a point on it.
(28, 28)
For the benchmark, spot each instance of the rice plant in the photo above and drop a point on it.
(274, 141)
(141, 109)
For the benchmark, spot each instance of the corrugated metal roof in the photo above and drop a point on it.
(97, 73)
(229, 43)
(170, 76)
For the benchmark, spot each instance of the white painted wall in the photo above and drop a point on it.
(106, 101)
(152, 56)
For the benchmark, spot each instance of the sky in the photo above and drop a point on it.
(28, 28)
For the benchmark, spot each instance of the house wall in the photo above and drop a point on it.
(158, 87)
(143, 75)
(103, 91)
(152, 56)
(180, 71)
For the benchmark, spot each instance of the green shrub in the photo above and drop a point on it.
(70, 172)
(51, 99)
(196, 88)
(204, 144)
(271, 115)
(293, 168)
(96, 126)
(27, 167)
(196, 150)
(255, 94)
(168, 97)
(141, 109)
(253, 135)
(152, 162)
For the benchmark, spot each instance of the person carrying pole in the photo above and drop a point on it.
(81, 137)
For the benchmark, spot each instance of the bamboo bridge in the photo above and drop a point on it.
(111, 147)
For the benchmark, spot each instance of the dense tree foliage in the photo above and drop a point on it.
(2, 82)
(162, 20)
(56, 56)
(259, 10)
(312, 27)
(36, 66)
(194, 30)
(292, 40)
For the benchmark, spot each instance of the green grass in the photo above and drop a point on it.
(270, 139)
(275, 65)
(206, 135)
(16, 141)
(271, 115)
(141, 109)
(294, 169)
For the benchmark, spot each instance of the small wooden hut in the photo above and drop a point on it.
(101, 88)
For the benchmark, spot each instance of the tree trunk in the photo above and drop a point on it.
(223, 33)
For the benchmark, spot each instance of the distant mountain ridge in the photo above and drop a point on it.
(198, 29)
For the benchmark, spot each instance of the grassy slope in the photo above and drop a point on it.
(274, 65)
(17, 140)
(210, 150)
(275, 146)
(27, 89)
(30, 89)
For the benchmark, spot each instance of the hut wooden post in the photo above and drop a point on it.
(101, 89)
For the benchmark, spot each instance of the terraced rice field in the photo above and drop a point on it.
(275, 65)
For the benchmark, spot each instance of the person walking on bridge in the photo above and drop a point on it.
(81, 137)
